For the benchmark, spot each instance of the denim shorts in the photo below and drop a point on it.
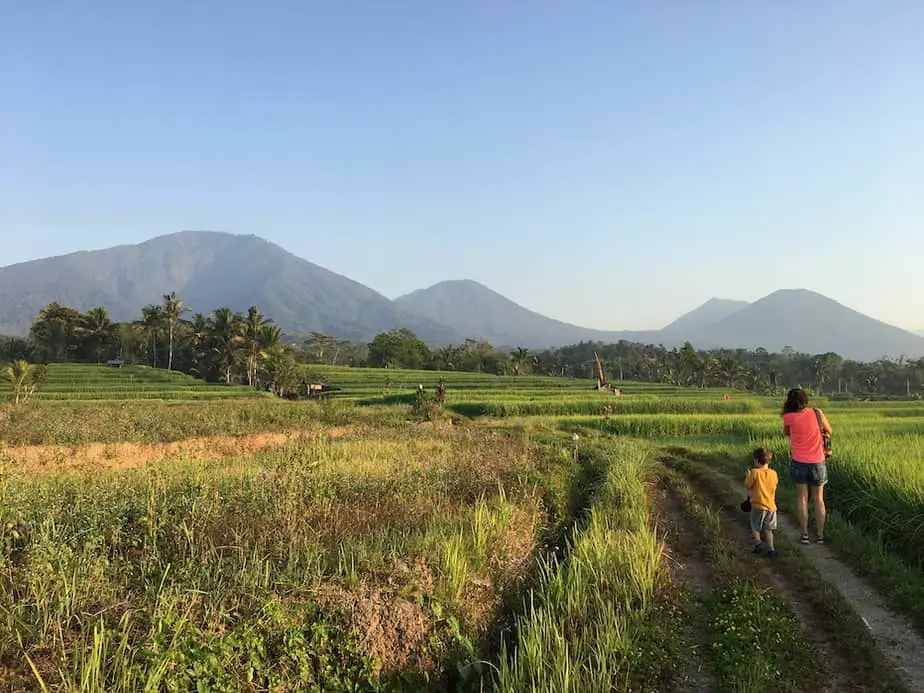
(808, 474)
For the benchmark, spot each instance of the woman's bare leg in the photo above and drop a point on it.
(802, 507)
(818, 498)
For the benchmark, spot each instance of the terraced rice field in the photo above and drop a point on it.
(350, 545)
(71, 381)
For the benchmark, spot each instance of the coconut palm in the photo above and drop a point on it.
(173, 312)
(520, 358)
(97, 329)
(153, 321)
(25, 379)
(227, 339)
(199, 333)
(253, 333)
(270, 347)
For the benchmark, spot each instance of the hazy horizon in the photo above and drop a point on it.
(608, 166)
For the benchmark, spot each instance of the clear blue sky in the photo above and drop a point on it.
(608, 163)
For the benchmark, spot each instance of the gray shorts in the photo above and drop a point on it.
(762, 519)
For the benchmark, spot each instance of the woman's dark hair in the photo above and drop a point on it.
(796, 400)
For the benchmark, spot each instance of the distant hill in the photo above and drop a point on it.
(709, 313)
(208, 270)
(212, 269)
(810, 323)
(478, 312)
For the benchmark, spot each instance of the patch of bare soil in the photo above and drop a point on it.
(894, 635)
(393, 628)
(129, 455)
(688, 569)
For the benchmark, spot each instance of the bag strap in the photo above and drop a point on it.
(821, 426)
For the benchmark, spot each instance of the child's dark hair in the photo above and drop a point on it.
(762, 455)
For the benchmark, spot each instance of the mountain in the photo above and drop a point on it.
(207, 269)
(809, 323)
(478, 312)
(709, 313)
(806, 321)
(211, 269)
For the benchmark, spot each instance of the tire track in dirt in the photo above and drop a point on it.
(842, 672)
(893, 634)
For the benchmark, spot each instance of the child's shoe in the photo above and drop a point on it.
(758, 547)
(771, 553)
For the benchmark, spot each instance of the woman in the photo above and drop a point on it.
(807, 466)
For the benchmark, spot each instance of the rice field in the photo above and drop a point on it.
(76, 381)
(173, 540)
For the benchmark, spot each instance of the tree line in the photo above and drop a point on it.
(248, 348)
(224, 346)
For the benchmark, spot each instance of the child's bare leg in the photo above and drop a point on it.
(755, 536)
(768, 538)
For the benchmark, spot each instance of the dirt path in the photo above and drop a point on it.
(893, 634)
(838, 671)
(688, 569)
(128, 455)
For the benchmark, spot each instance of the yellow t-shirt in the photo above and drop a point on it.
(761, 482)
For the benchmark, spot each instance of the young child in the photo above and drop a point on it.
(761, 483)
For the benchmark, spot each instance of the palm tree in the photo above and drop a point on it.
(254, 325)
(519, 358)
(730, 371)
(707, 369)
(227, 340)
(25, 379)
(270, 347)
(447, 357)
(199, 335)
(152, 320)
(98, 329)
(173, 311)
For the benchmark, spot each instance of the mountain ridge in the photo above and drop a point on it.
(209, 269)
(479, 311)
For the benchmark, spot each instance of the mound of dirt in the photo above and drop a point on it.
(393, 630)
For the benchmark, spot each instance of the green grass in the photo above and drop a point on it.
(594, 620)
(734, 613)
(250, 567)
(71, 381)
(123, 578)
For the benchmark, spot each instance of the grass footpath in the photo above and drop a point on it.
(753, 642)
(694, 482)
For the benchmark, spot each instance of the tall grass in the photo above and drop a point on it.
(76, 423)
(582, 626)
(161, 576)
